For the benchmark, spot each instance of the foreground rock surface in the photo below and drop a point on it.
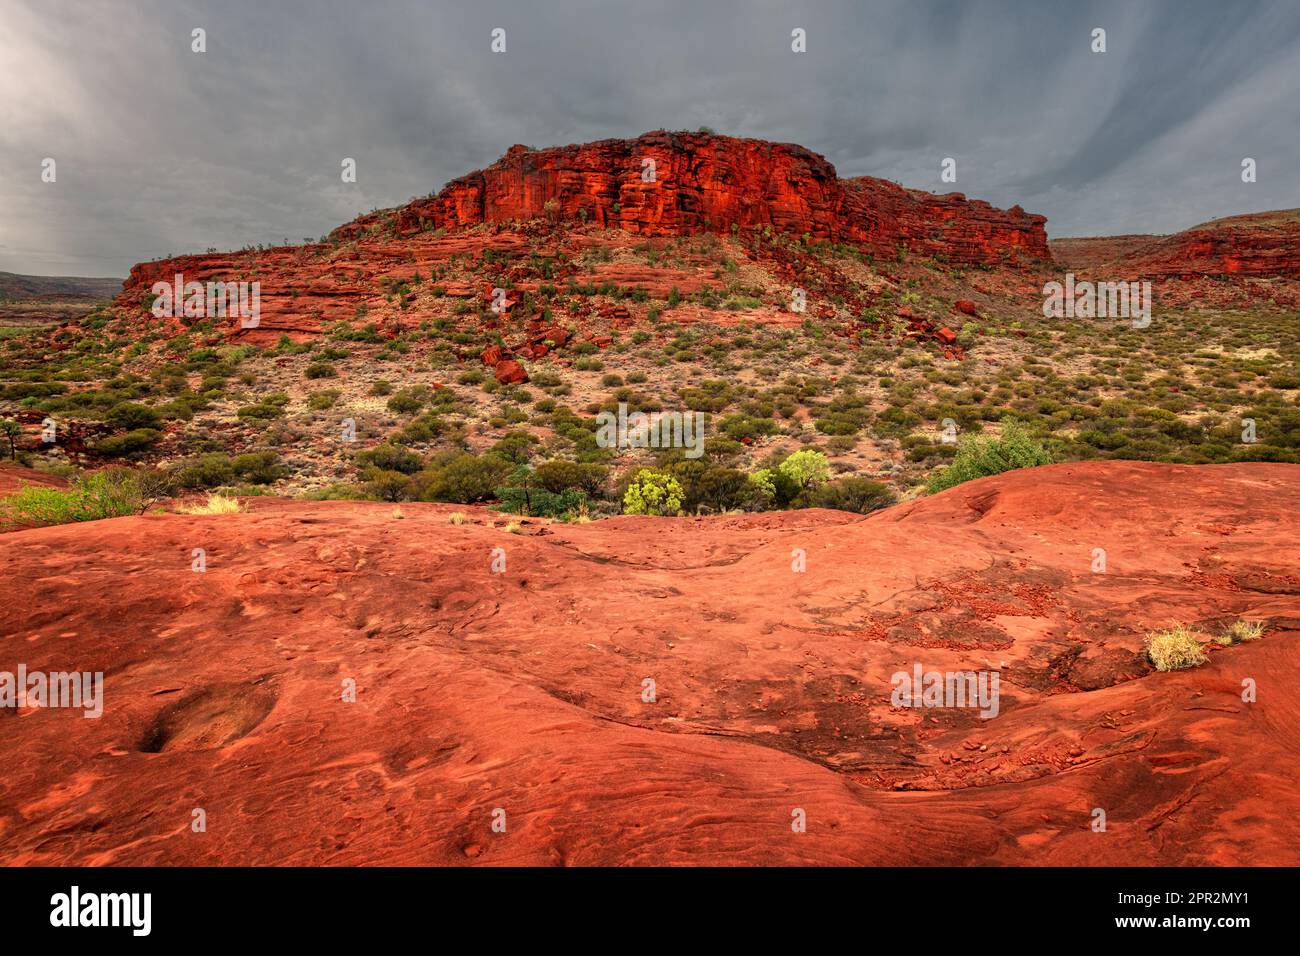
(524, 690)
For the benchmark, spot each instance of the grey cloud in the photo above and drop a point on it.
(161, 150)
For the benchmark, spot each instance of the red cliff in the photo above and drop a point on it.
(663, 184)
(1259, 244)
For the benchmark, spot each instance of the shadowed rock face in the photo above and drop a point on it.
(523, 690)
(703, 182)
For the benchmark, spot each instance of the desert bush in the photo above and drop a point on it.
(131, 416)
(461, 478)
(111, 493)
(319, 401)
(387, 485)
(1175, 648)
(558, 476)
(338, 491)
(209, 471)
(652, 492)
(389, 458)
(981, 456)
(135, 440)
(710, 485)
(321, 370)
(426, 428)
(538, 502)
(515, 446)
(271, 406)
(259, 467)
(408, 401)
(11, 430)
(859, 495)
(1242, 630)
(214, 504)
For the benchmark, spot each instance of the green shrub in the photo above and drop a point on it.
(408, 401)
(714, 486)
(339, 491)
(981, 456)
(859, 495)
(111, 493)
(389, 458)
(261, 411)
(558, 476)
(134, 440)
(386, 485)
(515, 446)
(423, 429)
(319, 401)
(540, 503)
(321, 370)
(653, 492)
(210, 471)
(259, 467)
(462, 478)
(806, 468)
(131, 416)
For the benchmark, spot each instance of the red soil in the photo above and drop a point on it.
(523, 690)
(13, 477)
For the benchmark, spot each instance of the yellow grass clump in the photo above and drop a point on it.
(1175, 648)
(215, 505)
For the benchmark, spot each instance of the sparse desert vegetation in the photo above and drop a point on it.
(1175, 648)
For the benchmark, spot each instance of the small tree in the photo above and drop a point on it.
(11, 430)
(982, 456)
(806, 468)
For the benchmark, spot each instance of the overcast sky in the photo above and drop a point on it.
(161, 150)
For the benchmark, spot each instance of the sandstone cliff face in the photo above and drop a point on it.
(658, 185)
(1261, 244)
(1265, 244)
(702, 182)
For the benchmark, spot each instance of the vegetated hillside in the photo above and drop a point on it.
(798, 311)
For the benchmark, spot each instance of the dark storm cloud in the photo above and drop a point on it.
(161, 150)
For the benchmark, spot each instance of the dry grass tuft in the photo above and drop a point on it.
(1242, 630)
(215, 505)
(1175, 648)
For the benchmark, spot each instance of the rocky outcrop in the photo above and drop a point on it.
(1261, 244)
(666, 184)
(660, 184)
